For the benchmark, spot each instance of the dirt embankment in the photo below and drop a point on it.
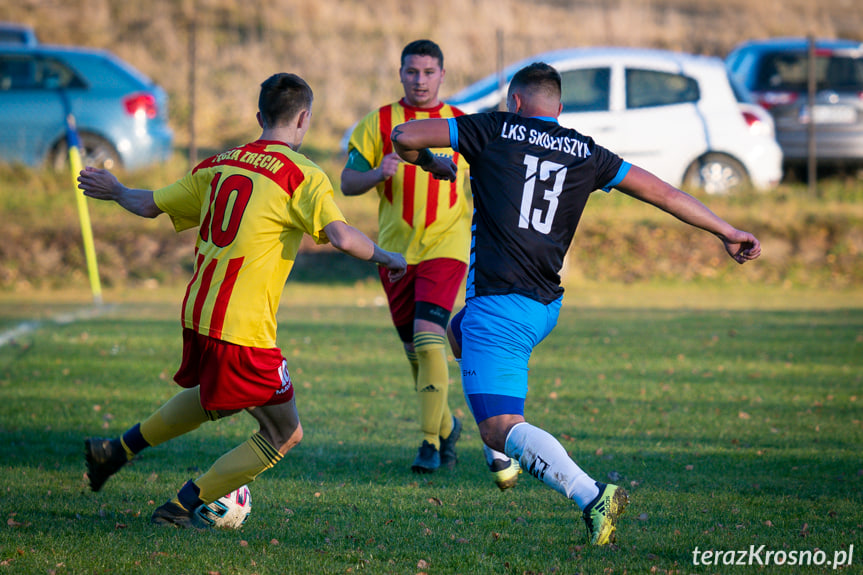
(814, 251)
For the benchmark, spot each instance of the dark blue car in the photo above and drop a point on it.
(121, 115)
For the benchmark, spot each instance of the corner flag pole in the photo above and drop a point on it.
(74, 145)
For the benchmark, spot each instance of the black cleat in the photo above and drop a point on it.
(104, 458)
(172, 514)
(448, 457)
(427, 460)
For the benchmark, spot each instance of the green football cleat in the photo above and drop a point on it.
(505, 473)
(602, 513)
(448, 457)
(104, 458)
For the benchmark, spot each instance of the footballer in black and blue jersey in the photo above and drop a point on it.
(531, 179)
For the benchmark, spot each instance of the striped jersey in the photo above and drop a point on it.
(418, 216)
(252, 205)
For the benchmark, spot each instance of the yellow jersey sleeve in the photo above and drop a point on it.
(366, 139)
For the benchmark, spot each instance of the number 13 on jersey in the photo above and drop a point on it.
(541, 221)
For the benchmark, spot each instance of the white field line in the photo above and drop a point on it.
(22, 329)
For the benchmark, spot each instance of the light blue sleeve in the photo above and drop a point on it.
(453, 134)
(621, 173)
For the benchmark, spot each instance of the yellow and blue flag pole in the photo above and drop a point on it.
(74, 145)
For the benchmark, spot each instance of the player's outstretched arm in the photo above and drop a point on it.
(412, 141)
(641, 184)
(103, 185)
(352, 241)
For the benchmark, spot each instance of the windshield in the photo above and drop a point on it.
(788, 72)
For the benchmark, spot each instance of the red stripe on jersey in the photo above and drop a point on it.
(199, 260)
(203, 290)
(273, 165)
(385, 115)
(386, 121)
(433, 193)
(432, 200)
(409, 187)
(408, 193)
(220, 308)
(453, 190)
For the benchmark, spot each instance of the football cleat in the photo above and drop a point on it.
(427, 460)
(104, 458)
(448, 457)
(601, 514)
(172, 514)
(505, 473)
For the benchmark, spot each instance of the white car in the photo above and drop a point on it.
(676, 115)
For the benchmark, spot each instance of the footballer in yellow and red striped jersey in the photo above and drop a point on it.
(418, 215)
(292, 197)
(252, 205)
(427, 220)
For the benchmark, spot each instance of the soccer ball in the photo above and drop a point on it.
(228, 512)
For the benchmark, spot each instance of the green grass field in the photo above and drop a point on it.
(734, 420)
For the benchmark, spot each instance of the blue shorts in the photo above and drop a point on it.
(498, 335)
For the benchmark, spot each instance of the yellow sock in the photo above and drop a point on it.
(181, 414)
(238, 467)
(432, 385)
(415, 366)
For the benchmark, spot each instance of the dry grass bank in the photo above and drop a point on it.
(349, 51)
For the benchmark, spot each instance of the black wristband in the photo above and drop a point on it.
(425, 158)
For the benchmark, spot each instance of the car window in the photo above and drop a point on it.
(788, 71)
(12, 37)
(24, 72)
(844, 74)
(585, 90)
(17, 72)
(106, 73)
(646, 88)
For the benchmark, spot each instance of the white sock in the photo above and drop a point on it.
(491, 455)
(541, 455)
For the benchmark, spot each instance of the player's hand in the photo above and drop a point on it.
(389, 166)
(443, 168)
(397, 266)
(742, 246)
(99, 184)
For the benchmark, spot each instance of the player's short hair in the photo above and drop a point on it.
(423, 48)
(283, 96)
(537, 79)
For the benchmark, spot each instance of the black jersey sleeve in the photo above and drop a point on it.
(473, 133)
(608, 166)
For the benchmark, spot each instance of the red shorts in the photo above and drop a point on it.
(435, 281)
(233, 376)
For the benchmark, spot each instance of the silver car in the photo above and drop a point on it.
(775, 71)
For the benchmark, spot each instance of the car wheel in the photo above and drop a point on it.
(716, 174)
(95, 151)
